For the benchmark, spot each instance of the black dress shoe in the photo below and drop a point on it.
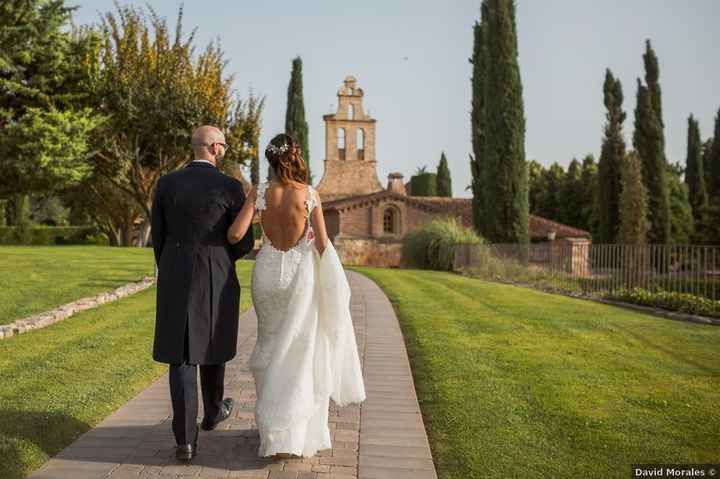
(225, 409)
(185, 452)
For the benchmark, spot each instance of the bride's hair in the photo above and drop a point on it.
(285, 156)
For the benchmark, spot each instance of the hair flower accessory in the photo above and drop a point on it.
(276, 150)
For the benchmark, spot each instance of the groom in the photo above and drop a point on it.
(198, 294)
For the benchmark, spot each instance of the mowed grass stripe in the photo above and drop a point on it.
(513, 380)
(58, 382)
(34, 279)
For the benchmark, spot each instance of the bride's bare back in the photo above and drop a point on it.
(283, 218)
(285, 214)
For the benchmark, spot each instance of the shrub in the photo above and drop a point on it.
(432, 246)
(51, 235)
(670, 300)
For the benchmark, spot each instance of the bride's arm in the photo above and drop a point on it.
(318, 221)
(243, 220)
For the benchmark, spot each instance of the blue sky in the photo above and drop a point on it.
(411, 59)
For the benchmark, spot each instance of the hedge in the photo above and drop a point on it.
(51, 235)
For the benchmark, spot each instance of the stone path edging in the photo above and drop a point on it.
(41, 320)
(384, 437)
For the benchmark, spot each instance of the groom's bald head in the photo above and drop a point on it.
(203, 137)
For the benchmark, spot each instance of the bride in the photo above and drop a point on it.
(306, 352)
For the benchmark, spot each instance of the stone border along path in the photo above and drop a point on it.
(384, 437)
(40, 320)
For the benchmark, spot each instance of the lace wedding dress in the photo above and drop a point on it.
(306, 351)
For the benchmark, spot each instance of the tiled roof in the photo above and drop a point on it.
(458, 207)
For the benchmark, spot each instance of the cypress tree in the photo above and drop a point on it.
(694, 174)
(295, 124)
(633, 202)
(444, 183)
(478, 161)
(652, 77)
(706, 152)
(647, 140)
(713, 185)
(611, 156)
(505, 206)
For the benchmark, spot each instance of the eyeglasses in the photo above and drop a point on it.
(225, 145)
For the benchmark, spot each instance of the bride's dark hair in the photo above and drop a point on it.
(285, 156)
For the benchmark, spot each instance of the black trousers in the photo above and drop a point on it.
(183, 392)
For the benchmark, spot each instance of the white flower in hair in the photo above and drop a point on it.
(276, 150)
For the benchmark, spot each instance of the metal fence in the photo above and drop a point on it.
(597, 269)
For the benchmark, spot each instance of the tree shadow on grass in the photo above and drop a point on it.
(22, 433)
(77, 447)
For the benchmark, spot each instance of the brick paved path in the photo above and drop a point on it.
(384, 437)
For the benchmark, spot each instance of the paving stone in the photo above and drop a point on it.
(382, 438)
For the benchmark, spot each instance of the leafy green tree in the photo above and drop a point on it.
(423, 183)
(245, 133)
(682, 226)
(154, 91)
(295, 123)
(572, 196)
(536, 186)
(588, 206)
(551, 205)
(43, 87)
(444, 182)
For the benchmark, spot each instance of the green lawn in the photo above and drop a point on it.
(58, 382)
(34, 279)
(515, 382)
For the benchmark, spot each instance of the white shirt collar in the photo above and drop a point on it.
(204, 161)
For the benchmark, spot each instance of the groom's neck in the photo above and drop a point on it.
(211, 160)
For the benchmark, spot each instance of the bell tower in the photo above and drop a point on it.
(350, 165)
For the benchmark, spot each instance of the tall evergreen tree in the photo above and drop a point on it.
(649, 142)
(571, 210)
(551, 202)
(611, 157)
(478, 162)
(505, 204)
(694, 172)
(633, 202)
(682, 224)
(647, 139)
(713, 185)
(589, 180)
(444, 183)
(536, 186)
(295, 124)
(652, 80)
(706, 152)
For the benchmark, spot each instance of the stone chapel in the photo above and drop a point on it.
(366, 220)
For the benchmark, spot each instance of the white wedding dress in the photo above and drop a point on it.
(306, 352)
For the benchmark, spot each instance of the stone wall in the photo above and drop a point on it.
(369, 252)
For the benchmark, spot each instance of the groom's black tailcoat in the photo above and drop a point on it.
(197, 285)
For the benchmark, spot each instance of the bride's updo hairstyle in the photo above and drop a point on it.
(285, 156)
